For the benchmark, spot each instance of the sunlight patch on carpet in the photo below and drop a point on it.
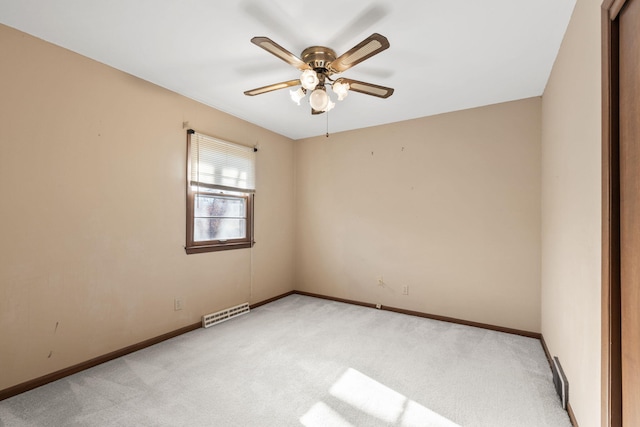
(321, 415)
(374, 399)
(369, 396)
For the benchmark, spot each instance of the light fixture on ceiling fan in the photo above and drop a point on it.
(318, 64)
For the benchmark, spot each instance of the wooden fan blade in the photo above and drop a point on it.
(367, 88)
(315, 112)
(272, 87)
(370, 46)
(282, 53)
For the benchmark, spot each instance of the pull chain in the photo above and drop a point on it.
(327, 135)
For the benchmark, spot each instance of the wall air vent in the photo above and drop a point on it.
(560, 382)
(226, 314)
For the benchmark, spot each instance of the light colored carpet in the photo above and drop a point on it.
(312, 362)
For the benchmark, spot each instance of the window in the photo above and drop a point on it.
(220, 187)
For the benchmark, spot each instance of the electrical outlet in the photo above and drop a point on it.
(177, 304)
(378, 306)
(405, 290)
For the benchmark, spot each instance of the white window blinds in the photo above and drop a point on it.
(216, 163)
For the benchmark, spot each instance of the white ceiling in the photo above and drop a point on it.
(445, 55)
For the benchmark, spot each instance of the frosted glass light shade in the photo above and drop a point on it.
(340, 89)
(330, 105)
(297, 95)
(309, 79)
(319, 100)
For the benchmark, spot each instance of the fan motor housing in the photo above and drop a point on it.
(318, 57)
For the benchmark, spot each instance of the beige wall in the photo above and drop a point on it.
(92, 211)
(447, 205)
(571, 203)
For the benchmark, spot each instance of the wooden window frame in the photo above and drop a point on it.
(196, 247)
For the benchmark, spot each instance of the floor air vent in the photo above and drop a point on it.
(560, 381)
(226, 314)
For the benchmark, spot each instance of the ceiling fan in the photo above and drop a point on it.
(318, 64)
